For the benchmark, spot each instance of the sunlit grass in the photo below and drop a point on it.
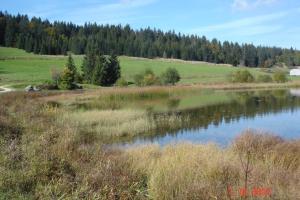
(19, 68)
(189, 171)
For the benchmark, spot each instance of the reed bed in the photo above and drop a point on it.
(47, 152)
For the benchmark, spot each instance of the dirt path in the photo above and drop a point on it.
(4, 89)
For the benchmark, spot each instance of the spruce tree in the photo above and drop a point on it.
(114, 70)
(97, 76)
(70, 64)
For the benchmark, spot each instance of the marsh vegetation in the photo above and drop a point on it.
(54, 145)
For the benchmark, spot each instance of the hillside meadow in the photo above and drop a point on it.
(19, 68)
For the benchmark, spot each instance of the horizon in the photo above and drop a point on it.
(261, 22)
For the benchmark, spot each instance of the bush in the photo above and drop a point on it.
(122, 82)
(280, 77)
(48, 85)
(151, 79)
(264, 79)
(146, 78)
(138, 79)
(67, 80)
(242, 76)
(268, 63)
(170, 76)
(55, 75)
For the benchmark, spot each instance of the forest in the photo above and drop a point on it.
(58, 38)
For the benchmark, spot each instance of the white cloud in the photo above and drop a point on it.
(249, 4)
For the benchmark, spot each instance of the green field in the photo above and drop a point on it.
(19, 68)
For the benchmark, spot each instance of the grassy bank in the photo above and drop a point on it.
(113, 98)
(18, 68)
(43, 158)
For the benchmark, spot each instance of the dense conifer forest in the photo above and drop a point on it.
(43, 37)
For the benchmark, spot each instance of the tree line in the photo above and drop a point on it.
(43, 37)
(96, 69)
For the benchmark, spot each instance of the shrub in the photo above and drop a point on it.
(241, 76)
(48, 85)
(138, 79)
(280, 77)
(146, 78)
(268, 63)
(55, 75)
(148, 71)
(151, 79)
(122, 82)
(264, 79)
(170, 76)
(67, 80)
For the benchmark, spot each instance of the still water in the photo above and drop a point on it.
(225, 114)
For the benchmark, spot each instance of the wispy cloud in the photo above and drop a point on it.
(122, 11)
(249, 4)
(250, 24)
(258, 30)
(116, 12)
(126, 4)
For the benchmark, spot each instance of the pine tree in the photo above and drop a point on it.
(114, 70)
(2, 28)
(70, 65)
(97, 76)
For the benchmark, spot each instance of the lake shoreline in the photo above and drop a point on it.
(59, 94)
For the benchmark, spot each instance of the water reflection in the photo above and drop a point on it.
(276, 111)
(295, 92)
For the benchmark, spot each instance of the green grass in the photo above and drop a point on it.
(191, 72)
(18, 68)
(13, 52)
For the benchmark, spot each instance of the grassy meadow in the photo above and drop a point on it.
(19, 68)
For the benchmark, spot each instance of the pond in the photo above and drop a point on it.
(219, 116)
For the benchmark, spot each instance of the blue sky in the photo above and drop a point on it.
(265, 22)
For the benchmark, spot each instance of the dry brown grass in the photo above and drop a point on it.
(43, 158)
(190, 171)
(110, 125)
